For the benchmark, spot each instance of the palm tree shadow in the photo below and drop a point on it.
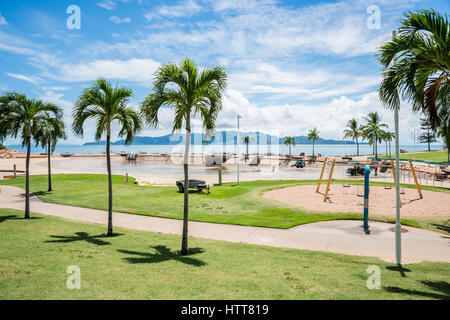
(400, 269)
(11, 217)
(83, 236)
(40, 193)
(441, 286)
(443, 227)
(164, 254)
(15, 217)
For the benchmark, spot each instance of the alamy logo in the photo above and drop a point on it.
(374, 19)
(74, 20)
(74, 280)
(374, 281)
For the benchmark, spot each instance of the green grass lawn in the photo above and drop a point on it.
(35, 255)
(433, 156)
(230, 204)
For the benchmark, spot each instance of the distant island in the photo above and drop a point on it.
(220, 137)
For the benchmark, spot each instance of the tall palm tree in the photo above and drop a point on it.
(246, 140)
(444, 130)
(19, 116)
(288, 141)
(48, 131)
(373, 130)
(313, 135)
(189, 91)
(416, 64)
(353, 131)
(107, 104)
(388, 137)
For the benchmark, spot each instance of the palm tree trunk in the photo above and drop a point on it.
(386, 148)
(313, 148)
(27, 180)
(428, 138)
(290, 151)
(390, 156)
(376, 149)
(108, 166)
(49, 169)
(184, 241)
(357, 147)
(247, 152)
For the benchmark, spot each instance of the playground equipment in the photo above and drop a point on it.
(356, 169)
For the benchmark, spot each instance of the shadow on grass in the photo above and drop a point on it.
(4, 218)
(40, 193)
(442, 227)
(83, 236)
(441, 286)
(400, 269)
(164, 254)
(16, 217)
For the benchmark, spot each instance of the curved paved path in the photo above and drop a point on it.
(330, 236)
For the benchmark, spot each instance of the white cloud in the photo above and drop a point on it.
(107, 4)
(119, 20)
(2, 19)
(296, 119)
(182, 9)
(136, 70)
(33, 80)
(56, 98)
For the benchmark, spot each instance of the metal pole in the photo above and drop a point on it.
(238, 147)
(398, 226)
(366, 199)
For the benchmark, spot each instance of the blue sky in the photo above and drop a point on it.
(292, 65)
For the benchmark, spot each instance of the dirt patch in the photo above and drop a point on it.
(159, 213)
(381, 200)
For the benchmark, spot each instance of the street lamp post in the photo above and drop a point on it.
(238, 147)
(398, 226)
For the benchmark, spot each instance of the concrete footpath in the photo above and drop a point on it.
(331, 236)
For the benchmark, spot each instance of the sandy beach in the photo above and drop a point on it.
(166, 169)
(381, 200)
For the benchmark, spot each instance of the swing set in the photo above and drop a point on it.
(360, 191)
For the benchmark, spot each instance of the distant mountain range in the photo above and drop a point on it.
(220, 137)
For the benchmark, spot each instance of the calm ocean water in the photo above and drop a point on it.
(324, 149)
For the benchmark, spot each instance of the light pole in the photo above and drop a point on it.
(238, 147)
(398, 226)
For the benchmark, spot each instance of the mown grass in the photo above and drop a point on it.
(433, 156)
(229, 204)
(36, 253)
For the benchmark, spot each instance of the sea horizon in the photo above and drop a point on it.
(323, 149)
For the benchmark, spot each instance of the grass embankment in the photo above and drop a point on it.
(433, 156)
(143, 265)
(230, 204)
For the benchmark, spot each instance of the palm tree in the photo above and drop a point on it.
(444, 130)
(288, 141)
(373, 130)
(189, 91)
(106, 104)
(313, 135)
(48, 131)
(246, 140)
(353, 131)
(416, 64)
(19, 116)
(388, 137)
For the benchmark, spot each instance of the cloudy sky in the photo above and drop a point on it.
(292, 65)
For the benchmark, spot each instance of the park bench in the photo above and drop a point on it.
(193, 184)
